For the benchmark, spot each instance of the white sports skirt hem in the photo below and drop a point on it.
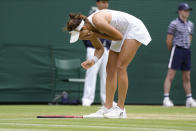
(139, 33)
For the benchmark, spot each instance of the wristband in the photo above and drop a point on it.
(95, 59)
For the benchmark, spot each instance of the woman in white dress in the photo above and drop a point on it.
(127, 34)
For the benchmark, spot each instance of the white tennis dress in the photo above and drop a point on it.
(130, 26)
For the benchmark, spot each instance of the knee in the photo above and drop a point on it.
(110, 69)
(170, 77)
(121, 69)
(186, 78)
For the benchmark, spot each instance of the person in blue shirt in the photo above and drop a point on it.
(178, 41)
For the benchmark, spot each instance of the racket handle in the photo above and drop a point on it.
(60, 116)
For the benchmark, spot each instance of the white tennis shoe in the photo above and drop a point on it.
(190, 102)
(116, 112)
(98, 114)
(167, 102)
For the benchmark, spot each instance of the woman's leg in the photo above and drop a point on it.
(116, 68)
(111, 79)
(126, 55)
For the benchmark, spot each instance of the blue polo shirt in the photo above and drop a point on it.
(181, 31)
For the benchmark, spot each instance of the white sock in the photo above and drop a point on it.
(166, 95)
(189, 96)
(166, 98)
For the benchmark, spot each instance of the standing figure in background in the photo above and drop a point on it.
(178, 41)
(99, 67)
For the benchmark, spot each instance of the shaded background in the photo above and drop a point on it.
(31, 37)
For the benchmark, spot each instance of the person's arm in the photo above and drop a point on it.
(170, 34)
(169, 41)
(107, 31)
(91, 34)
(192, 32)
(105, 36)
(99, 50)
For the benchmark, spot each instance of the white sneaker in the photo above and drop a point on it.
(86, 104)
(167, 102)
(98, 114)
(190, 102)
(114, 103)
(116, 112)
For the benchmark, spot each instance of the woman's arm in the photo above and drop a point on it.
(104, 36)
(99, 50)
(88, 35)
(103, 26)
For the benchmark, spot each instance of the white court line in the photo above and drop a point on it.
(130, 116)
(100, 127)
(18, 119)
(6, 129)
(4, 119)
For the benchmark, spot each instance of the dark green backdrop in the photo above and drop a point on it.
(31, 36)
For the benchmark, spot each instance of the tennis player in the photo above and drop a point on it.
(127, 34)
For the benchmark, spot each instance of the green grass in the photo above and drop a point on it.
(140, 118)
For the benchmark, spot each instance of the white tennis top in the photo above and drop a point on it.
(130, 26)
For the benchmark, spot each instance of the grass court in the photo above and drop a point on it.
(140, 118)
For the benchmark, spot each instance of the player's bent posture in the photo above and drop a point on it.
(127, 33)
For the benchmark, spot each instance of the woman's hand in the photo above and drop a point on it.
(87, 35)
(87, 64)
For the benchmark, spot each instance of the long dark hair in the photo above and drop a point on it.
(74, 20)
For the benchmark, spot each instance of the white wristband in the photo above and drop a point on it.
(95, 59)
